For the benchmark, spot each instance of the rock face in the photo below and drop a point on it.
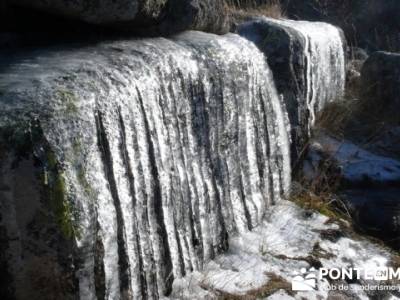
(380, 81)
(148, 16)
(308, 63)
(128, 164)
(372, 24)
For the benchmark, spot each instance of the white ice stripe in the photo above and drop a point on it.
(125, 196)
(150, 108)
(163, 161)
(182, 195)
(139, 161)
(108, 224)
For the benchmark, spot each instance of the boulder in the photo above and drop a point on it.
(308, 63)
(149, 17)
(380, 82)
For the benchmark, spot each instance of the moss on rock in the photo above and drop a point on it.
(69, 100)
(26, 140)
(58, 199)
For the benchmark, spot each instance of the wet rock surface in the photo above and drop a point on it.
(293, 49)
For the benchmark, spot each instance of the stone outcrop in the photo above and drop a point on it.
(149, 17)
(128, 164)
(380, 85)
(308, 63)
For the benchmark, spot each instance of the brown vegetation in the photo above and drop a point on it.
(321, 198)
(353, 118)
(241, 10)
(274, 284)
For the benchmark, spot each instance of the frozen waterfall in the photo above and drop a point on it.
(308, 63)
(153, 152)
(325, 63)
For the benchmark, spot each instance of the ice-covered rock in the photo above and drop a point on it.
(128, 164)
(308, 63)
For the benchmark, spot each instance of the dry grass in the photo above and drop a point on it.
(337, 115)
(323, 200)
(242, 10)
(395, 261)
(274, 284)
(354, 115)
(352, 118)
(320, 192)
